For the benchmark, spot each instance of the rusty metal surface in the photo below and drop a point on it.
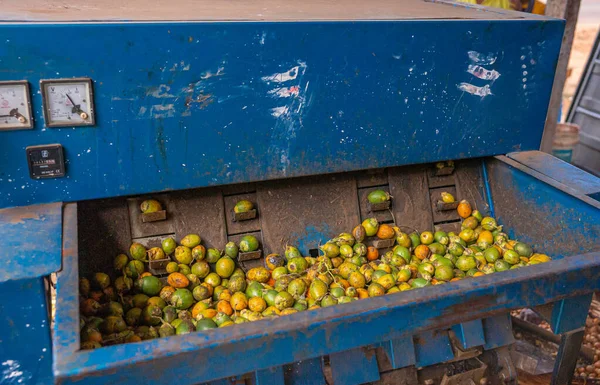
(237, 227)
(365, 207)
(371, 178)
(441, 180)
(315, 333)
(404, 376)
(445, 214)
(200, 211)
(30, 239)
(141, 229)
(66, 319)
(470, 185)
(412, 207)
(104, 232)
(308, 211)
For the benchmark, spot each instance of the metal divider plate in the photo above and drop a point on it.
(104, 232)
(365, 210)
(238, 227)
(306, 212)
(200, 211)
(141, 229)
(412, 208)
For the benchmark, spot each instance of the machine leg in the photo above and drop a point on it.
(25, 350)
(566, 359)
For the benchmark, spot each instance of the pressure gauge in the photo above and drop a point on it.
(68, 102)
(15, 107)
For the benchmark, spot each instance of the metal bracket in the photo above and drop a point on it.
(247, 257)
(155, 216)
(443, 206)
(158, 266)
(381, 243)
(251, 214)
(446, 170)
(381, 206)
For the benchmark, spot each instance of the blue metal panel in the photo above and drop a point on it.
(354, 366)
(470, 333)
(270, 376)
(31, 241)
(552, 217)
(400, 351)
(433, 347)
(25, 356)
(181, 105)
(559, 170)
(497, 331)
(570, 313)
(305, 372)
(309, 334)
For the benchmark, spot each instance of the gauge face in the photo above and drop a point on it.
(68, 102)
(15, 107)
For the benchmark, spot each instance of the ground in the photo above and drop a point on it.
(585, 34)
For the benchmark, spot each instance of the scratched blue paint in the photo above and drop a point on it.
(269, 376)
(31, 241)
(470, 333)
(354, 367)
(559, 170)
(400, 352)
(311, 237)
(433, 347)
(25, 349)
(537, 211)
(570, 313)
(313, 334)
(183, 105)
(305, 372)
(497, 331)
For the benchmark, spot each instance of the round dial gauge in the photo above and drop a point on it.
(68, 102)
(15, 107)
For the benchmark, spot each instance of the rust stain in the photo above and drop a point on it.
(203, 100)
(18, 215)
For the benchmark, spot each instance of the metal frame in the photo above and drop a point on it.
(92, 112)
(28, 94)
(307, 335)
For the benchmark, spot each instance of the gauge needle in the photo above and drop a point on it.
(13, 113)
(76, 108)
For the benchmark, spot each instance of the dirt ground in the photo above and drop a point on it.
(585, 34)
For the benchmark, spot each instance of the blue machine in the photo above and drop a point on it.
(304, 108)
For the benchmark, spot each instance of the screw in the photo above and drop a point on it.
(83, 115)
(22, 119)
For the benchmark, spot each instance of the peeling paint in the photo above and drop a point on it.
(482, 59)
(278, 111)
(180, 66)
(157, 111)
(285, 92)
(161, 92)
(291, 74)
(483, 73)
(474, 90)
(12, 373)
(210, 74)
